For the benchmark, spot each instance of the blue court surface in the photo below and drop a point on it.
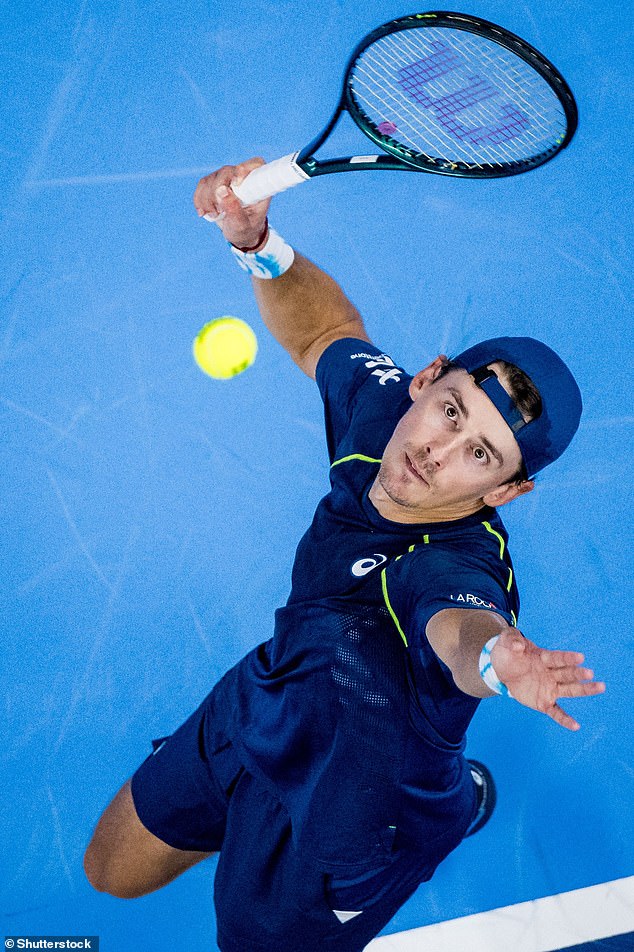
(150, 514)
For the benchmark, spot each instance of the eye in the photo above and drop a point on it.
(451, 412)
(481, 455)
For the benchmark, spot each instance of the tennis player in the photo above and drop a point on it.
(327, 768)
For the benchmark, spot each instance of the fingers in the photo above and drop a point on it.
(205, 196)
(581, 690)
(226, 202)
(207, 199)
(563, 719)
(572, 680)
(561, 659)
(242, 170)
(214, 199)
(541, 677)
(571, 675)
(573, 690)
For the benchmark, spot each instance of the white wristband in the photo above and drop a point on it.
(487, 671)
(270, 261)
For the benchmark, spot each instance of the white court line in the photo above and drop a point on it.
(117, 177)
(555, 922)
(610, 421)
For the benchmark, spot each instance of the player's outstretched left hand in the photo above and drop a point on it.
(538, 678)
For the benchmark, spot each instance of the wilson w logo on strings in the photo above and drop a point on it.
(446, 107)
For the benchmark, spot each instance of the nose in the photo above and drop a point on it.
(434, 457)
(439, 452)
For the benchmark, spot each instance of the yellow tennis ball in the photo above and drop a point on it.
(225, 347)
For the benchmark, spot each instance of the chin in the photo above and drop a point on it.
(399, 494)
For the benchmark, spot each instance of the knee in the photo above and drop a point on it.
(111, 859)
(95, 871)
(102, 874)
(125, 860)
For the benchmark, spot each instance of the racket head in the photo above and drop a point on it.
(458, 95)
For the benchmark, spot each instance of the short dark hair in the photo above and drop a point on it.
(525, 395)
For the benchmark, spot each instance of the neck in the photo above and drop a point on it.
(390, 509)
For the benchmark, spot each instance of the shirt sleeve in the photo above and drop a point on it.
(426, 582)
(343, 369)
(419, 585)
(465, 574)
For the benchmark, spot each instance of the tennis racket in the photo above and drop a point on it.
(439, 92)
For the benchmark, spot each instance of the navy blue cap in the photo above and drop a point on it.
(543, 440)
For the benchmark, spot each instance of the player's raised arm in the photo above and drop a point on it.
(487, 656)
(303, 307)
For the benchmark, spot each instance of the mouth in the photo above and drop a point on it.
(412, 469)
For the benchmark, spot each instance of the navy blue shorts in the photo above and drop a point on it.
(194, 794)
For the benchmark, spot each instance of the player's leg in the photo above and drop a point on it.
(271, 896)
(172, 813)
(125, 859)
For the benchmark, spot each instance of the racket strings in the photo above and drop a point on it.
(422, 138)
(443, 65)
(461, 98)
(433, 137)
(478, 89)
(449, 108)
(407, 121)
(453, 102)
(517, 82)
(521, 83)
(505, 72)
(448, 96)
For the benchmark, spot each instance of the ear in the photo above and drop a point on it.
(426, 376)
(506, 492)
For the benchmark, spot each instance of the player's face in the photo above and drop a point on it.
(450, 454)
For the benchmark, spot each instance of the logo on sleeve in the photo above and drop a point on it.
(386, 369)
(363, 566)
(473, 600)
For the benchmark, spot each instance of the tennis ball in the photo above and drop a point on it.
(225, 347)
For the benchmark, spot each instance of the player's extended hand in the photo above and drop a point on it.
(537, 677)
(244, 227)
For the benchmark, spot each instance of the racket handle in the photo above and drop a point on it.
(270, 179)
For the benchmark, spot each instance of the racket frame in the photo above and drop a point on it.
(399, 156)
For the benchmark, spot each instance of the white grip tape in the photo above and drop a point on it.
(270, 179)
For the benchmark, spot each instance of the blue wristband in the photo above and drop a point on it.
(487, 671)
(271, 261)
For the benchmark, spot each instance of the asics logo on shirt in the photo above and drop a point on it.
(363, 566)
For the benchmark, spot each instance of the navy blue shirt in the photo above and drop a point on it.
(347, 713)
